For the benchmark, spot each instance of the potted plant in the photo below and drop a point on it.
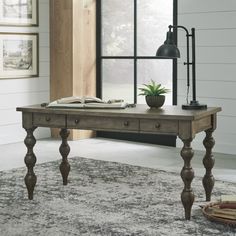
(154, 94)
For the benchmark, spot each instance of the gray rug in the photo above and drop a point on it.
(103, 198)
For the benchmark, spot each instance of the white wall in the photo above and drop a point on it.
(27, 91)
(215, 23)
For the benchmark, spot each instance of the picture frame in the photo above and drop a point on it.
(19, 55)
(19, 12)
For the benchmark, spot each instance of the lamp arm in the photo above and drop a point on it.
(187, 63)
(194, 104)
(179, 26)
(193, 65)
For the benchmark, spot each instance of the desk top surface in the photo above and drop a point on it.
(140, 111)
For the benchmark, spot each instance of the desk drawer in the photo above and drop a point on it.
(49, 120)
(103, 123)
(159, 126)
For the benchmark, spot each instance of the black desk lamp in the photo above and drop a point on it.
(169, 51)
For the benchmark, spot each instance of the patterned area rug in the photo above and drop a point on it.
(103, 198)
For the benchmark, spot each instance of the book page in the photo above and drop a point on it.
(75, 99)
(117, 105)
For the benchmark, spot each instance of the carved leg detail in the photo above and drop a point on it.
(64, 150)
(208, 162)
(30, 160)
(187, 175)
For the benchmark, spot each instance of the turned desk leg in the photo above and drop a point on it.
(187, 175)
(64, 150)
(30, 160)
(208, 162)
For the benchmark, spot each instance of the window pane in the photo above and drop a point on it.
(118, 79)
(158, 70)
(117, 27)
(153, 19)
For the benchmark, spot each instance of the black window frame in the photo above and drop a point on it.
(168, 140)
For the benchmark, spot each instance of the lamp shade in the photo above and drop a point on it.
(168, 50)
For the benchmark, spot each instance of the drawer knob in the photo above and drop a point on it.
(76, 121)
(126, 123)
(157, 126)
(48, 118)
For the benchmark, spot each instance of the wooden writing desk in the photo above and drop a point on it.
(167, 120)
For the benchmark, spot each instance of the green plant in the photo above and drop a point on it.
(153, 89)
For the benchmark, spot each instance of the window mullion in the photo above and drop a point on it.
(135, 51)
(99, 48)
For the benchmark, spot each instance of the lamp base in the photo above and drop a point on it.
(194, 105)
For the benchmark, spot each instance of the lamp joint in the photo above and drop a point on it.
(188, 63)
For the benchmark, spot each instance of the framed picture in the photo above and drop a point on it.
(19, 12)
(18, 55)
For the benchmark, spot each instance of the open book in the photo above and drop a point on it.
(86, 102)
(71, 100)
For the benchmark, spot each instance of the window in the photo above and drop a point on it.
(128, 35)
